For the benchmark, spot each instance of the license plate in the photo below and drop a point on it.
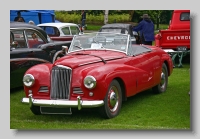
(182, 48)
(53, 110)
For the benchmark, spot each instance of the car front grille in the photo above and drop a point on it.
(60, 82)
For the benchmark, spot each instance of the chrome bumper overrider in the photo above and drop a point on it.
(62, 103)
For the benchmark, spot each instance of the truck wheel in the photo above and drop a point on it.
(112, 101)
(35, 110)
(162, 86)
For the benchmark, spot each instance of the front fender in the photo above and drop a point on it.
(42, 77)
(106, 73)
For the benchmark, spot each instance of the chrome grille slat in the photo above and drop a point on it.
(44, 89)
(77, 90)
(60, 82)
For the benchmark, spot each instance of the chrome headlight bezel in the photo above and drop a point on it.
(28, 80)
(90, 82)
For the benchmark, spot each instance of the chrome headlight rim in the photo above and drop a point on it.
(28, 80)
(90, 82)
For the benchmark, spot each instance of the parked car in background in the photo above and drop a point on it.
(29, 45)
(61, 31)
(100, 70)
(123, 28)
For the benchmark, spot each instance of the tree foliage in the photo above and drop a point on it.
(115, 15)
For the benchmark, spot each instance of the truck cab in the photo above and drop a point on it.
(176, 39)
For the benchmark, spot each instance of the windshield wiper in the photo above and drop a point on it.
(92, 55)
(78, 46)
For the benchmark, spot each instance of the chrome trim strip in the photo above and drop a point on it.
(29, 59)
(65, 67)
(62, 103)
(102, 49)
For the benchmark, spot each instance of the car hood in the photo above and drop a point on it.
(82, 58)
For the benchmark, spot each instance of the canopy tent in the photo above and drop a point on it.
(37, 16)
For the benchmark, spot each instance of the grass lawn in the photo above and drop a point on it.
(170, 110)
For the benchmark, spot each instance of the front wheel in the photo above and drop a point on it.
(112, 101)
(162, 86)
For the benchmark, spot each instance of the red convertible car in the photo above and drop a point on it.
(99, 70)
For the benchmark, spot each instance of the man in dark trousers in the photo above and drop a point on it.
(83, 18)
(146, 29)
(19, 18)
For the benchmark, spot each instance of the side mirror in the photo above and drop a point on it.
(65, 49)
(60, 53)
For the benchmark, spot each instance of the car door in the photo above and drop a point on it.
(142, 59)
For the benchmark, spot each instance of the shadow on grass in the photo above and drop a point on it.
(136, 99)
(16, 90)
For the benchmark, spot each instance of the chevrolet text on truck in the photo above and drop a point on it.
(176, 39)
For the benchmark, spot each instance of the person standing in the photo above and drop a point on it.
(19, 18)
(146, 29)
(83, 18)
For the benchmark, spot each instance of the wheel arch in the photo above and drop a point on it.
(123, 89)
(168, 67)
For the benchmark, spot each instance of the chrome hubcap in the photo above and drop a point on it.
(163, 80)
(113, 99)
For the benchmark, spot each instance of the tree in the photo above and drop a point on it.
(106, 16)
(131, 12)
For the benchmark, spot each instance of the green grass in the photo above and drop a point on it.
(93, 27)
(170, 110)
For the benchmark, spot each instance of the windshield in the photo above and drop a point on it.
(100, 40)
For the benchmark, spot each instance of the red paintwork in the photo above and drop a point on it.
(61, 38)
(136, 73)
(178, 33)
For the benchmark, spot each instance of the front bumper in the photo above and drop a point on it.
(62, 103)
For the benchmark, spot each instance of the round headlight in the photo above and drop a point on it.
(90, 82)
(28, 80)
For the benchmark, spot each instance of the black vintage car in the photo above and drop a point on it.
(123, 28)
(29, 45)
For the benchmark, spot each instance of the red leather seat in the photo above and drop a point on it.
(33, 43)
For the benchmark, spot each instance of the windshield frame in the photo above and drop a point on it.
(98, 45)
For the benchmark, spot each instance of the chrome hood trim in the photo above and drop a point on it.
(108, 59)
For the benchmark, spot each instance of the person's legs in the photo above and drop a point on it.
(83, 22)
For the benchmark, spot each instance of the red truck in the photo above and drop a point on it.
(176, 39)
